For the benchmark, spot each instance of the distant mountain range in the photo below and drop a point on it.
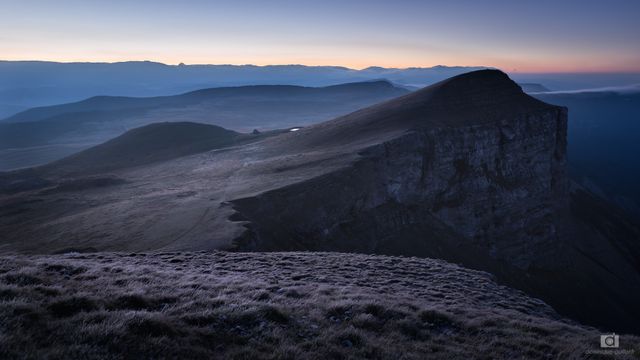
(44, 134)
(26, 84)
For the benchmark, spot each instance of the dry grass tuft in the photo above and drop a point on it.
(71, 306)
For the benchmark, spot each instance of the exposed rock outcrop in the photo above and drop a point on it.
(479, 156)
(479, 177)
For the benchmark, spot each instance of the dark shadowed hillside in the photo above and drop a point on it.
(141, 146)
(273, 306)
(148, 144)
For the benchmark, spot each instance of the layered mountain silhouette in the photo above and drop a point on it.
(148, 144)
(471, 170)
(45, 134)
(26, 84)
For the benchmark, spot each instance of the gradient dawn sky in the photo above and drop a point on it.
(515, 35)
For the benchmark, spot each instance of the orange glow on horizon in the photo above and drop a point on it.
(341, 62)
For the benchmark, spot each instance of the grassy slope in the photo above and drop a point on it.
(141, 146)
(148, 144)
(271, 305)
(243, 109)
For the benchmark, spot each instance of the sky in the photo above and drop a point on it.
(516, 35)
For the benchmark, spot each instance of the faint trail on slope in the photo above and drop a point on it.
(190, 229)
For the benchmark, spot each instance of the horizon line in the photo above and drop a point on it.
(332, 66)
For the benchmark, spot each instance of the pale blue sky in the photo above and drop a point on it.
(544, 35)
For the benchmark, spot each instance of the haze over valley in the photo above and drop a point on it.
(44, 134)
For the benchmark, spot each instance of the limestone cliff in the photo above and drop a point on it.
(478, 176)
(478, 155)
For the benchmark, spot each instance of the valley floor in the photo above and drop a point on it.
(272, 306)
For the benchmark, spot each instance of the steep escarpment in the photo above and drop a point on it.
(480, 181)
(478, 155)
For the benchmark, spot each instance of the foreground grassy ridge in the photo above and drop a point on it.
(272, 306)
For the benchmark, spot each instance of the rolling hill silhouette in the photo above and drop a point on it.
(146, 145)
(27, 84)
(45, 134)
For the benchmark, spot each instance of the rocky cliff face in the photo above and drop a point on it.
(498, 182)
(478, 176)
